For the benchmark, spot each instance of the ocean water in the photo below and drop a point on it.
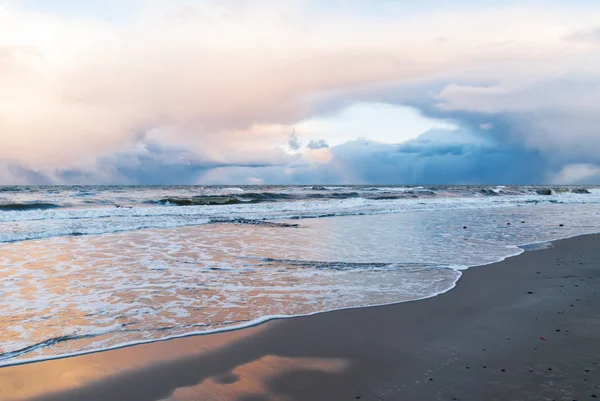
(91, 268)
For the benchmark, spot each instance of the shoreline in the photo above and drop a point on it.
(233, 345)
(528, 247)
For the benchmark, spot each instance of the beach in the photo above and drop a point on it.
(299, 200)
(526, 328)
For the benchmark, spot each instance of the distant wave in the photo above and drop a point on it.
(55, 211)
(557, 191)
(251, 197)
(198, 201)
(371, 193)
(11, 188)
(21, 198)
(15, 207)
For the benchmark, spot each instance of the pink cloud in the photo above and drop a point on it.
(228, 81)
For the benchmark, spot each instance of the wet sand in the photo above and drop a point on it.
(527, 328)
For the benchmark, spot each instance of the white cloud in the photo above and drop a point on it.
(589, 35)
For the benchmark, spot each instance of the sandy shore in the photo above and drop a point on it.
(527, 328)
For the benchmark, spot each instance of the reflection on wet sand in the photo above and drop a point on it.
(251, 379)
(24, 382)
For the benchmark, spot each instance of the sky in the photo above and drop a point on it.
(299, 92)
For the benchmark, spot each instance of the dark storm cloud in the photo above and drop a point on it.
(460, 159)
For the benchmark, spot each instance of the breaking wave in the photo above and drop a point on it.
(28, 213)
(15, 207)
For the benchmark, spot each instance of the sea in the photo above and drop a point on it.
(91, 268)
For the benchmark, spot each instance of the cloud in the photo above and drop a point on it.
(589, 35)
(293, 141)
(178, 89)
(577, 174)
(558, 116)
(436, 157)
(12, 174)
(317, 144)
(441, 157)
(147, 163)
